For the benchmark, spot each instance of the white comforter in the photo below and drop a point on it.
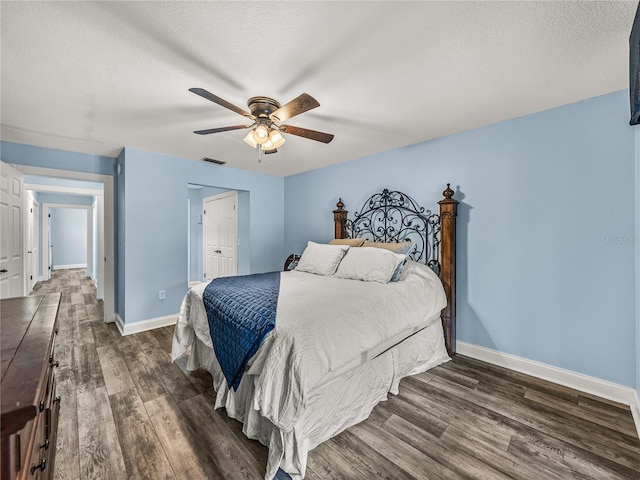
(324, 327)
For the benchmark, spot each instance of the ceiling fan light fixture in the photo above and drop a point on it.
(268, 145)
(250, 140)
(261, 134)
(276, 138)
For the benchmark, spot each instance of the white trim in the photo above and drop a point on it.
(66, 267)
(120, 324)
(577, 381)
(188, 239)
(85, 192)
(635, 411)
(68, 174)
(144, 325)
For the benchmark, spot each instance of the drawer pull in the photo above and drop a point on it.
(41, 407)
(45, 445)
(42, 466)
(57, 364)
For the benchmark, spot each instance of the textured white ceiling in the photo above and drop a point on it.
(96, 76)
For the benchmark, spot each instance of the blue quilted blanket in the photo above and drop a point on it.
(241, 312)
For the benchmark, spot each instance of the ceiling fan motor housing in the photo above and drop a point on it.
(262, 107)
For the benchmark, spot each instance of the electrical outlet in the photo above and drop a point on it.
(162, 294)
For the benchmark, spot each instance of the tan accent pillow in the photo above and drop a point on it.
(396, 247)
(352, 242)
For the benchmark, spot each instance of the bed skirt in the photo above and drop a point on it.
(331, 408)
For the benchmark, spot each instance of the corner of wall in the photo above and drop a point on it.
(637, 245)
(120, 232)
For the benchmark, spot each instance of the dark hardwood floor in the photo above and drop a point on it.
(128, 412)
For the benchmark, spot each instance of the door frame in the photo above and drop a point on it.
(106, 239)
(33, 227)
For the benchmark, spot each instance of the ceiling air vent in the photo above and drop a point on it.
(213, 160)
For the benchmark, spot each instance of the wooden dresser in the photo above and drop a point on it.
(28, 391)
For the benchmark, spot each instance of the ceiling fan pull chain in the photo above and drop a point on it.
(261, 157)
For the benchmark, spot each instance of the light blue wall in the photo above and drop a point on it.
(69, 236)
(244, 232)
(195, 235)
(51, 158)
(155, 222)
(544, 198)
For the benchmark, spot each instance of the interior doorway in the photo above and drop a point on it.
(195, 230)
(102, 188)
(70, 234)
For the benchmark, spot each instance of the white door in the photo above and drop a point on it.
(32, 243)
(12, 236)
(220, 235)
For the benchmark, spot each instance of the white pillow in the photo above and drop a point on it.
(369, 264)
(321, 259)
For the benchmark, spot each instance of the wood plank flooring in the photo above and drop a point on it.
(128, 412)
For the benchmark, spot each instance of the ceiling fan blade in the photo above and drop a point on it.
(223, 103)
(220, 129)
(298, 105)
(303, 132)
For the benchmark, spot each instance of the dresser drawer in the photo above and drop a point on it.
(37, 465)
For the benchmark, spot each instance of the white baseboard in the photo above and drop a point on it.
(65, 267)
(635, 411)
(143, 326)
(577, 381)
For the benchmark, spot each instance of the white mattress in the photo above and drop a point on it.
(329, 361)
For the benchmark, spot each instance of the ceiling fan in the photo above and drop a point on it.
(266, 114)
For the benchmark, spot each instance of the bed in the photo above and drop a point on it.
(340, 344)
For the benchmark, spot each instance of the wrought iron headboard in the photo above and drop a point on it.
(393, 216)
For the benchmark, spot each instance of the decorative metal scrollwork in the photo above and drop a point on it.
(392, 216)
